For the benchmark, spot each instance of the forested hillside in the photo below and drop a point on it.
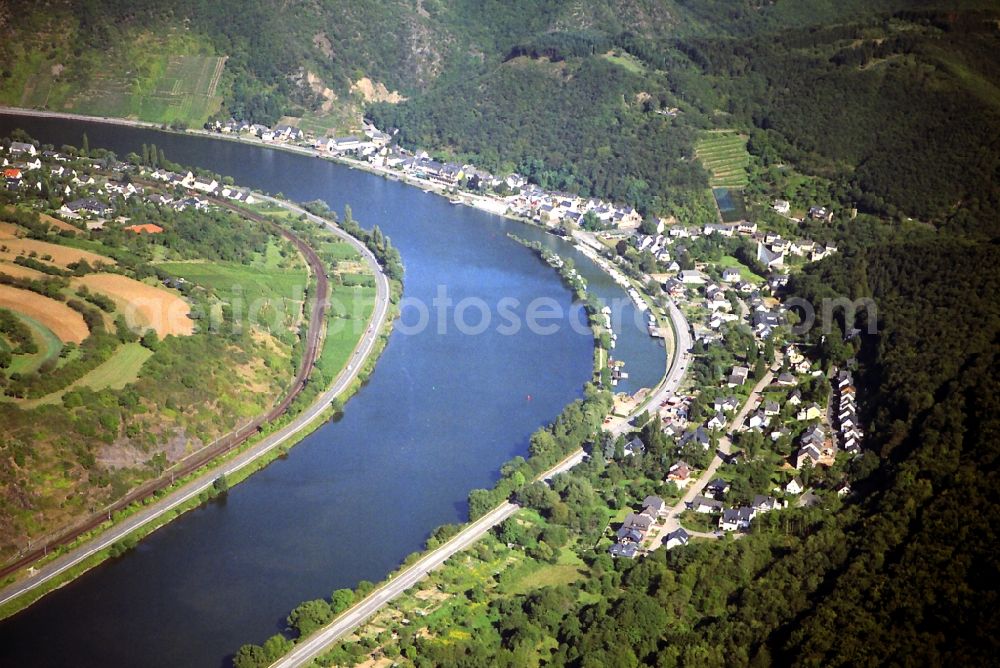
(897, 104)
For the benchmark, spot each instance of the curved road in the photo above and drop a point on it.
(356, 615)
(204, 482)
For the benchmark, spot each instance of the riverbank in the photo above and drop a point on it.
(125, 527)
(481, 202)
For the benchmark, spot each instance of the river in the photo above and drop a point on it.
(441, 412)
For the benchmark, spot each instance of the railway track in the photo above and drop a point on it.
(233, 439)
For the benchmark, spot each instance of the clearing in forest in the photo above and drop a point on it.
(724, 155)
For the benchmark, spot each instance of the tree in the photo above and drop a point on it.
(276, 647)
(251, 656)
(150, 340)
(309, 616)
(341, 600)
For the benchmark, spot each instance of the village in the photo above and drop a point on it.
(726, 278)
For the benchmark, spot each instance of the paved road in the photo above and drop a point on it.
(725, 446)
(675, 374)
(204, 482)
(355, 616)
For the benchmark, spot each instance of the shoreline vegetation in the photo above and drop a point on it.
(216, 476)
(551, 448)
(596, 405)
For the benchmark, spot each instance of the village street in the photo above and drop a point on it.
(659, 532)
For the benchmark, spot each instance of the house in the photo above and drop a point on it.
(653, 506)
(784, 207)
(795, 398)
(638, 521)
(634, 447)
(701, 504)
(758, 421)
(765, 504)
(843, 489)
(160, 200)
(691, 277)
(697, 436)
(624, 550)
(769, 258)
(810, 412)
(12, 177)
(679, 473)
(718, 421)
(716, 489)
(771, 408)
(19, 147)
(794, 486)
(806, 453)
(147, 228)
(786, 380)
(736, 519)
(678, 538)
(820, 213)
(779, 433)
(726, 404)
(628, 534)
(730, 275)
(813, 436)
(205, 186)
(89, 205)
(738, 376)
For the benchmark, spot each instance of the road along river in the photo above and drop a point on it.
(439, 415)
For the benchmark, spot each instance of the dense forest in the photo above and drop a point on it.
(897, 104)
(894, 106)
(899, 572)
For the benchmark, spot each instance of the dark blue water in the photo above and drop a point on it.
(724, 198)
(440, 414)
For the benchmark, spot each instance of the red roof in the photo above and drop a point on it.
(148, 228)
(12, 173)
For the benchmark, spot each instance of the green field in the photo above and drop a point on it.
(745, 273)
(180, 89)
(626, 61)
(350, 309)
(265, 291)
(724, 155)
(49, 346)
(122, 369)
(338, 250)
(531, 576)
(165, 78)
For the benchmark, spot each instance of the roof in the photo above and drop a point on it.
(627, 550)
(654, 502)
(147, 228)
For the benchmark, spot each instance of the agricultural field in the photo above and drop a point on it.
(264, 291)
(171, 78)
(48, 344)
(186, 91)
(143, 305)
(724, 155)
(17, 271)
(123, 368)
(350, 309)
(63, 321)
(56, 254)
